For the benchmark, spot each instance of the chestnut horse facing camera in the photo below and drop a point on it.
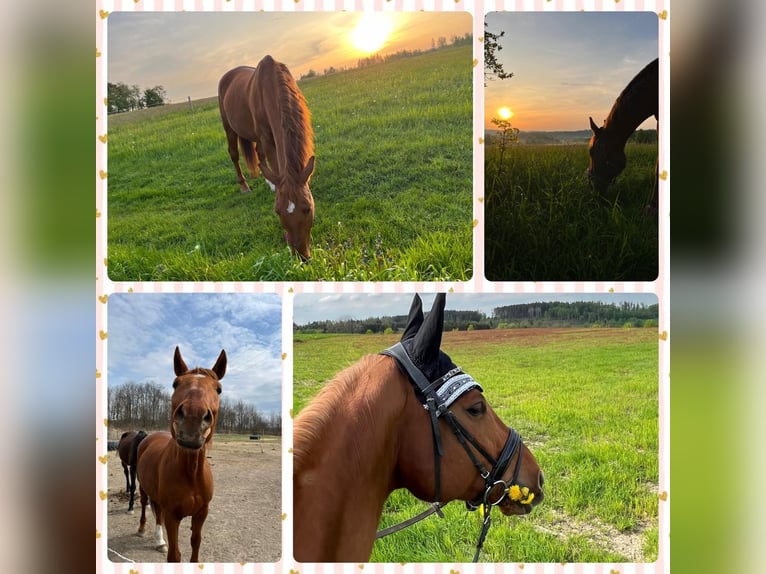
(173, 472)
(405, 418)
(637, 102)
(264, 113)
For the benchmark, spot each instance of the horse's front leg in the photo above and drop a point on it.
(196, 537)
(171, 525)
(127, 477)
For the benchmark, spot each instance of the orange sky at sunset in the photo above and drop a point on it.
(187, 52)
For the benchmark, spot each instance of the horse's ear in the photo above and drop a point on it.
(220, 365)
(415, 318)
(179, 366)
(429, 337)
(594, 127)
(308, 170)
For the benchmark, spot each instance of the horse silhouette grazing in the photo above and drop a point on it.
(127, 449)
(637, 102)
(265, 114)
(173, 473)
(405, 418)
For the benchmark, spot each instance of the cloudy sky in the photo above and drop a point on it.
(144, 329)
(567, 65)
(317, 307)
(188, 52)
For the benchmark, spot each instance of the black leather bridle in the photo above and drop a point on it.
(496, 489)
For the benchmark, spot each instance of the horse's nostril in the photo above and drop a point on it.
(209, 417)
(541, 479)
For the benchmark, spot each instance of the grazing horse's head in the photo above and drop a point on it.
(294, 205)
(194, 405)
(482, 458)
(607, 157)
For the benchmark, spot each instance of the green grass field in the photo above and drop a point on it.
(545, 223)
(392, 185)
(586, 403)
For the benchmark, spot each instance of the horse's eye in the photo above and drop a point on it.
(477, 409)
(218, 389)
(175, 383)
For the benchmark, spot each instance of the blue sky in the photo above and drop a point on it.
(188, 52)
(318, 307)
(567, 65)
(144, 329)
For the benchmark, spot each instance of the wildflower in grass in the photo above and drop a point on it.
(520, 494)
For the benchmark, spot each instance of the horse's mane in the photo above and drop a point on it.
(296, 123)
(635, 88)
(313, 420)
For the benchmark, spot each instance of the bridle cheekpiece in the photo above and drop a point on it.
(436, 397)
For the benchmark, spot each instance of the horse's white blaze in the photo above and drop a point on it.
(290, 207)
(271, 185)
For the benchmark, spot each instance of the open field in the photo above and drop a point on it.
(585, 402)
(244, 523)
(545, 223)
(392, 185)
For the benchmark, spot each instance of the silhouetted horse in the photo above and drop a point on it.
(637, 102)
(173, 472)
(264, 112)
(127, 449)
(406, 418)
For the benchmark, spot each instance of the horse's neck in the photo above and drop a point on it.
(191, 462)
(636, 103)
(344, 478)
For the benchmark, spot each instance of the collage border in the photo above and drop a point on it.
(288, 290)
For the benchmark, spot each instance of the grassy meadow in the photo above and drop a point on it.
(392, 185)
(585, 402)
(545, 223)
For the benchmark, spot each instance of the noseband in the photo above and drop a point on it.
(438, 396)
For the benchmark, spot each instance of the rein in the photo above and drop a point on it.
(437, 395)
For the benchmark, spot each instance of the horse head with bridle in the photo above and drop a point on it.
(173, 470)
(405, 418)
(637, 102)
(265, 114)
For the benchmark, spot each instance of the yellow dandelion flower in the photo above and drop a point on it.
(529, 498)
(514, 492)
(481, 510)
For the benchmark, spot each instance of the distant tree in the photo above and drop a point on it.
(155, 96)
(493, 69)
(122, 98)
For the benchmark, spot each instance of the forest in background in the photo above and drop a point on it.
(543, 314)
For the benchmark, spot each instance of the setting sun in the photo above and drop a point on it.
(505, 113)
(371, 32)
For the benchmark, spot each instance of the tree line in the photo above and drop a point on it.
(147, 406)
(543, 314)
(123, 98)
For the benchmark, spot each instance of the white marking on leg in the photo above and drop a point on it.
(158, 536)
(290, 207)
(271, 185)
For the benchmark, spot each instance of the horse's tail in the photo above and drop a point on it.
(140, 435)
(248, 150)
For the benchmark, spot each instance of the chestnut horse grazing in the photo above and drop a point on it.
(264, 112)
(127, 449)
(406, 418)
(637, 102)
(173, 473)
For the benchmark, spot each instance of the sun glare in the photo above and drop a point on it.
(505, 113)
(371, 32)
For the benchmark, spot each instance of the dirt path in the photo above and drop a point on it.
(245, 519)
